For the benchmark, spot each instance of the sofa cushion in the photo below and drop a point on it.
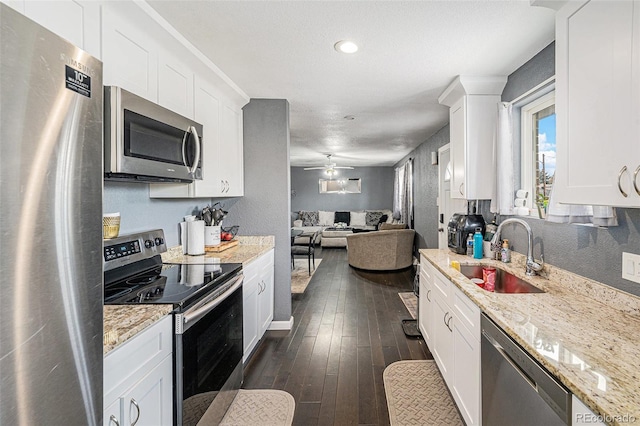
(358, 219)
(373, 218)
(309, 218)
(326, 218)
(343, 217)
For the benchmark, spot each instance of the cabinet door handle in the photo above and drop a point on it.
(450, 329)
(228, 186)
(428, 292)
(635, 180)
(624, 169)
(114, 420)
(445, 319)
(221, 185)
(135, 404)
(460, 189)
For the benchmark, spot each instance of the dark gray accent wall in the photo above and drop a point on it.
(425, 188)
(265, 207)
(138, 212)
(377, 190)
(533, 72)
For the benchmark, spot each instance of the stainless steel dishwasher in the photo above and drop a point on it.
(516, 389)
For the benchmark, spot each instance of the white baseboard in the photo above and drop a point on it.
(281, 325)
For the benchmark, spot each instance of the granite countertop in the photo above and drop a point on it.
(121, 323)
(249, 249)
(584, 332)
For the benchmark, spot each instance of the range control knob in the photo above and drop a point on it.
(159, 241)
(149, 243)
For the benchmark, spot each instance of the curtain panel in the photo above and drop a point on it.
(403, 193)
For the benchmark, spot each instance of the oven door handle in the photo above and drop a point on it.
(187, 319)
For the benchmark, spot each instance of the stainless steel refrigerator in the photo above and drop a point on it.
(50, 228)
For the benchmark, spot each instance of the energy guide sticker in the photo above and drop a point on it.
(77, 81)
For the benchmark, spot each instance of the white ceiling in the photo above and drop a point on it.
(409, 52)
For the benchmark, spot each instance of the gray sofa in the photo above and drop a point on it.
(311, 221)
(387, 250)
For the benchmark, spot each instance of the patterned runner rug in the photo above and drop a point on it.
(410, 300)
(260, 408)
(417, 395)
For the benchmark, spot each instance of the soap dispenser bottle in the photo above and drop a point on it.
(505, 253)
(477, 244)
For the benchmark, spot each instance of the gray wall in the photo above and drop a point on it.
(265, 207)
(138, 212)
(425, 179)
(595, 253)
(377, 190)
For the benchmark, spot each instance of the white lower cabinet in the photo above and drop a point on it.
(425, 311)
(257, 300)
(465, 374)
(453, 338)
(138, 379)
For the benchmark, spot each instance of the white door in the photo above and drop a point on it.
(447, 206)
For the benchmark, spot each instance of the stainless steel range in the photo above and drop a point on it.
(207, 301)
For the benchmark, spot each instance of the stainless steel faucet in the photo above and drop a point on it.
(532, 266)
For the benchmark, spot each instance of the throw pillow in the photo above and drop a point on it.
(297, 223)
(308, 218)
(358, 218)
(383, 219)
(325, 218)
(372, 218)
(343, 217)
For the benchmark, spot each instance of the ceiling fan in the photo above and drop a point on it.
(330, 168)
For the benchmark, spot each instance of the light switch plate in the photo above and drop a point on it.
(631, 267)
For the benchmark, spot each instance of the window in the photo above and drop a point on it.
(538, 131)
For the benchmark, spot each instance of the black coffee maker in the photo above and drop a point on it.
(459, 228)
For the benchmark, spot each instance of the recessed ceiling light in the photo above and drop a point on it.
(346, 46)
(349, 117)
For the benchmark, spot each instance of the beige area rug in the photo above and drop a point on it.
(300, 274)
(417, 395)
(261, 408)
(411, 302)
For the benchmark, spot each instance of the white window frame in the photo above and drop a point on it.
(527, 140)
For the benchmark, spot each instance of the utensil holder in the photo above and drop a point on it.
(211, 236)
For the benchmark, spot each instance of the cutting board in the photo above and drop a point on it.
(221, 247)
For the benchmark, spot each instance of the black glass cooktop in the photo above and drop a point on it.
(166, 284)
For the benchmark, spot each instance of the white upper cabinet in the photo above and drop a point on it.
(76, 21)
(130, 51)
(473, 112)
(598, 103)
(231, 152)
(175, 84)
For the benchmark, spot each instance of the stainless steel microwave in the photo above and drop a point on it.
(145, 142)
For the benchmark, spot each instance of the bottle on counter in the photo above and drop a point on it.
(470, 245)
(477, 244)
(505, 253)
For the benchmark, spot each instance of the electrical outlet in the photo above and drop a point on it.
(631, 267)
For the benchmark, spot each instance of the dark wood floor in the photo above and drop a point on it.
(347, 330)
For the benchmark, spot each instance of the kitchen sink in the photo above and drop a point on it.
(505, 282)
